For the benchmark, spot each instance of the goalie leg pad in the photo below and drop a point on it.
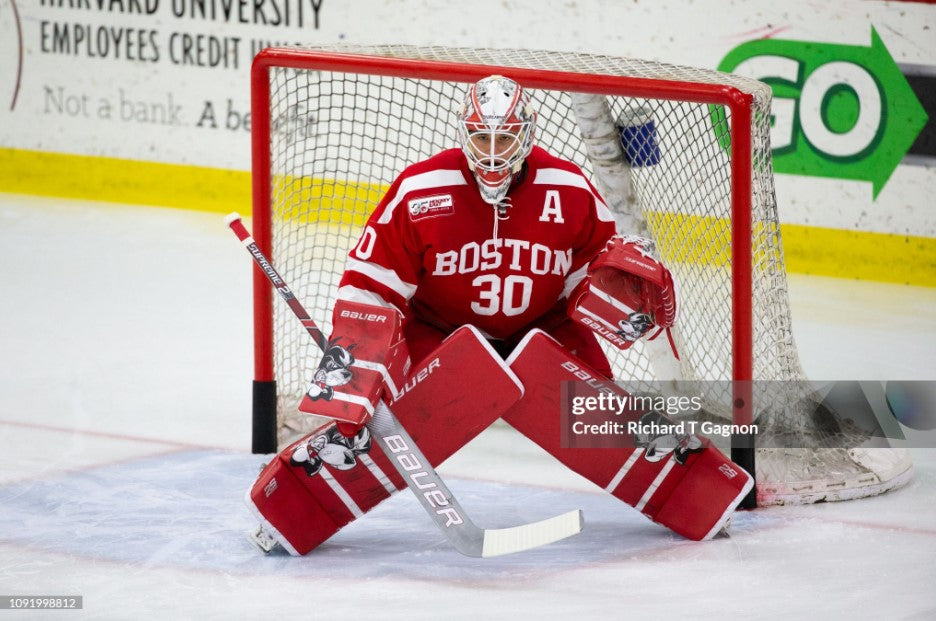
(580, 341)
(324, 481)
(691, 489)
(297, 498)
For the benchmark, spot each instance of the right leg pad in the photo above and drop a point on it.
(324, 481)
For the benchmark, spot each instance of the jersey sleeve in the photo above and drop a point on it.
(384, 266)
(597, 228)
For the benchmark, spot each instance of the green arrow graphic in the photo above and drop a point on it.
(902, 117)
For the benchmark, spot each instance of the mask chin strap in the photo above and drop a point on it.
(498, 200)
(500, 213)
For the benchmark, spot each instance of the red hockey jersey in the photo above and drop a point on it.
(435, 250)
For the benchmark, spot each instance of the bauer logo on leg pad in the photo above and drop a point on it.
(417, 377)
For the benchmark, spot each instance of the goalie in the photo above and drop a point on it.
(480, 280)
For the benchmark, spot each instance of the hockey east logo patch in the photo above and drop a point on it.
(431, 206)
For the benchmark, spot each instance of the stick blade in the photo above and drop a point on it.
(527, 536)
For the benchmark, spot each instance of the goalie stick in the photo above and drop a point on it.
(448, 514)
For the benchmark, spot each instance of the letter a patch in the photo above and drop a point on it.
(552, 208)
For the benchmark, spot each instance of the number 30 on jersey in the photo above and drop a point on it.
(509, 295)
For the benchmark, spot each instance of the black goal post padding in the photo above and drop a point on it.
(264, 417)
(742, 453)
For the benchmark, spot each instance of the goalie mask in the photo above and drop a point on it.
(495, 131)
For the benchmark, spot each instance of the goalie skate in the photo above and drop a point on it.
(263, 539)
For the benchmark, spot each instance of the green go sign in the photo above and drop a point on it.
(840, 111)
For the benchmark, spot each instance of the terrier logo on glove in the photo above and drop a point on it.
(663, 436)
(333, 370)
(331, 448)
(635, 326)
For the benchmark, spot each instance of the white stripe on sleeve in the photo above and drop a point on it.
(424, 181)
(573, 279)
(557, 176)
(383, 275)
(362, 296)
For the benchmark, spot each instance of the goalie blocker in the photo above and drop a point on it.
(365, 358)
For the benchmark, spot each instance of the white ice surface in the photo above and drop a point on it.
(124, 455)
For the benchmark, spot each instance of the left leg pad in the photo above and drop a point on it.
(692, 492)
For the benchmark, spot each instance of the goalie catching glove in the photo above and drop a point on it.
(626, 293)
(365, 359)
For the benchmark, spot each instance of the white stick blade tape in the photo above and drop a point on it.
(518, 538)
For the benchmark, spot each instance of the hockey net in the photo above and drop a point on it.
(332, 128)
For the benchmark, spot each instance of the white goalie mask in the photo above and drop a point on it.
(495, 131)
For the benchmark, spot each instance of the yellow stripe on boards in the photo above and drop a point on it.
(176, 185)
(808, 250)
(903, 259)
(124, 181)
(839, 253)
(326, 200)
